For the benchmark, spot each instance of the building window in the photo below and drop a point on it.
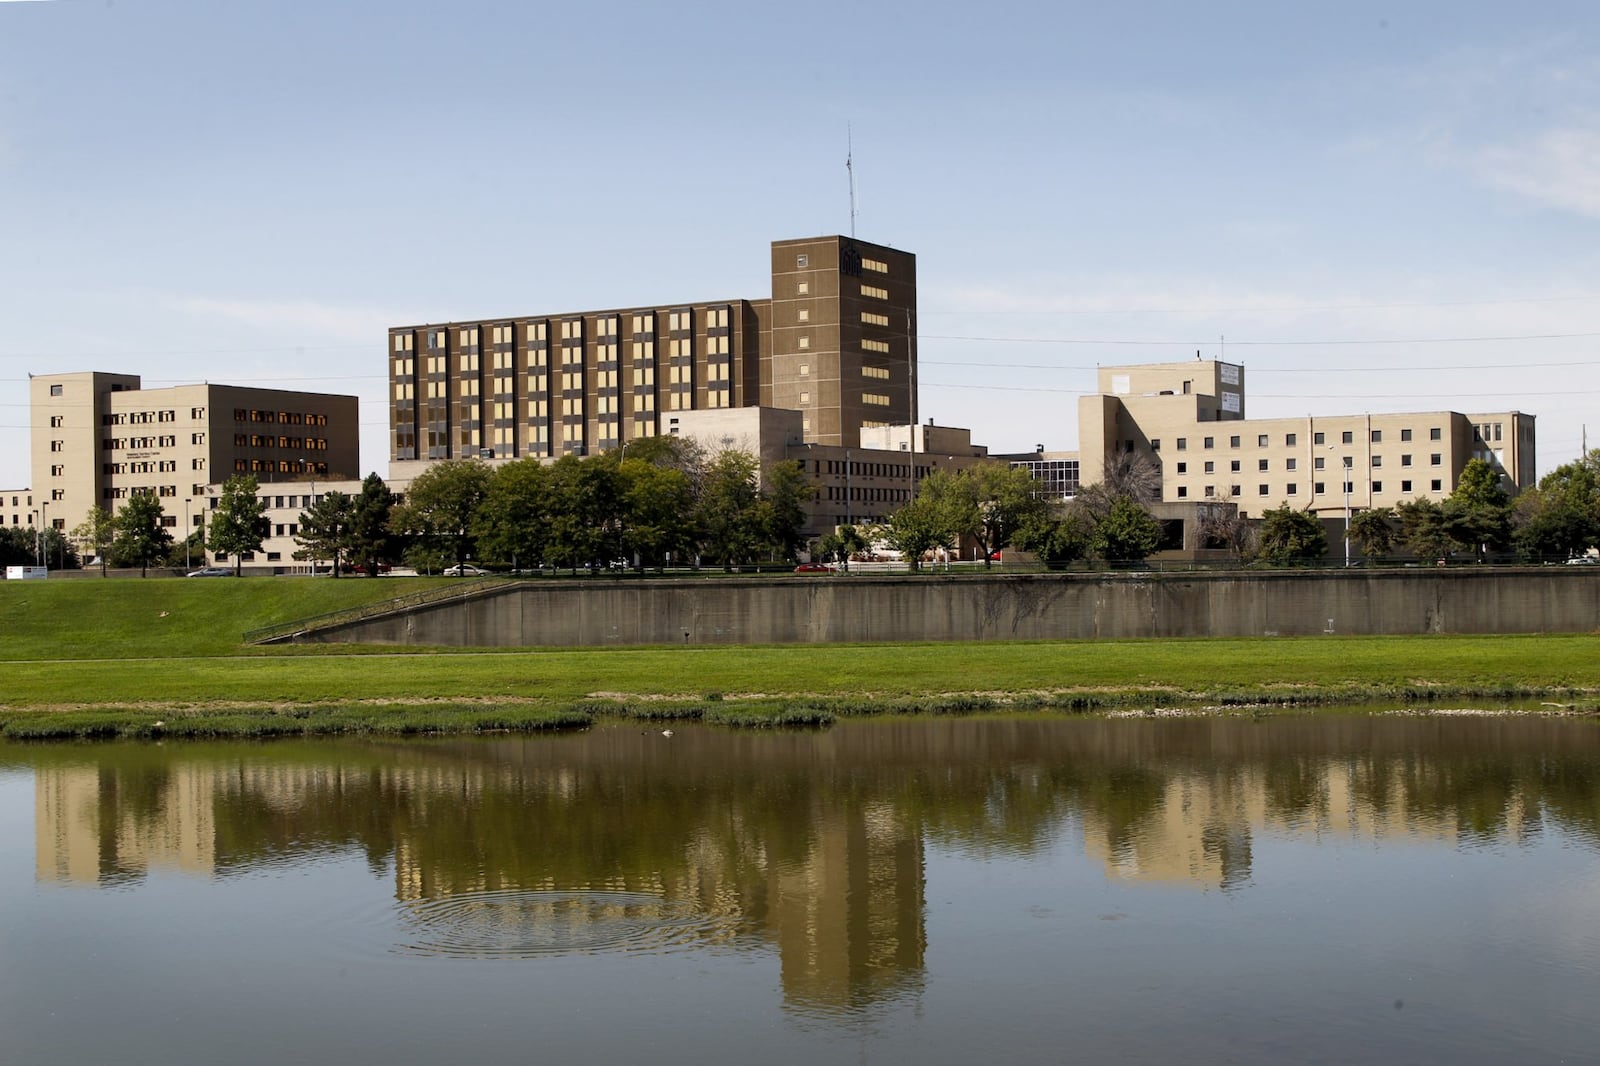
(1377, 436)
(1405, 434)
(1261, 441)
(1318, 488)
(1377, 460)
(1210, 442)
(1435, 433)
(1289, 439)
(1405, 486)
(1183, 468)
(1155, 444)
(1183, 444)
(55, 390)
(1377, 486)
(1437, 485)
(1347, 437)
(1405, 460)
(805, 342)
(1261, 490)
(1183, 491)
(801, 262)
(1318, 463)
(1234, 466)
(1233, 442)
(1211, 490)
(1319, 437)
(1210, 467)
(1435, 459)
(1292, 488)
(1235, 491)
(1263, 464)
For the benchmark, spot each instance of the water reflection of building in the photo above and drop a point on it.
(94, 825)
(849, 920)
(1201, 826)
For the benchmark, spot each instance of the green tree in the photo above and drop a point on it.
(732, 525)
(1126, 533)
(1560, 518)
(140, 538)
(324, 529)
(934, 518)
(373, 541)
(1480, 510)
(840, 545)
(441, 506)
(658, 512)
(1057, 535)
(1428, 530)
(95, 533)
(513, 523)
(584, 512)
(785, 491)
(1373, 531)
(1291, 536)
(239, 521)
(994, 501)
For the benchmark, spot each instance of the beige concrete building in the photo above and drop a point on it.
(1190, 419)
(856, 485)
(835, 341)
(99, 438)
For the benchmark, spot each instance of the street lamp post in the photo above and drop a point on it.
(44, 541)
(188, 536)
(1347, 472)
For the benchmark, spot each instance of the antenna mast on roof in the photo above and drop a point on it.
(849, 169)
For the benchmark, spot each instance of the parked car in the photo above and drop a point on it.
(361, 568)
(1583, 560)
(210, 571)
(464, 570)
(813, 568)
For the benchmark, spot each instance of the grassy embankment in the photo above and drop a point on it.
(164, 657)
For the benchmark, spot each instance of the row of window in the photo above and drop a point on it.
(286, 418)
(1318, 463)
(1290, 440)
(265, 440)
(1318, 488)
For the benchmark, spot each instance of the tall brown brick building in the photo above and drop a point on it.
(835, 341)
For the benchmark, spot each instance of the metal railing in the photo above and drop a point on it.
(422, 598)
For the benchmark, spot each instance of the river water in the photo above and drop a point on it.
(1325, 888)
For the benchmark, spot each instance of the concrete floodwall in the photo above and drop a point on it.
(857, 608)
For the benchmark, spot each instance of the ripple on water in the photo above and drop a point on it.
(519, 924)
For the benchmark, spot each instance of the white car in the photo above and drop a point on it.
(464, 570)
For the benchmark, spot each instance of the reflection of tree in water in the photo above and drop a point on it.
(811, 844)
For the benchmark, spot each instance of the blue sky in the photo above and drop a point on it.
(1382, 207)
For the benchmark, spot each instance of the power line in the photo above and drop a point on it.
(1266, 308)
(1255, 370)
(1257, 344)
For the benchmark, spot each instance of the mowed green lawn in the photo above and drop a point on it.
(170, 641)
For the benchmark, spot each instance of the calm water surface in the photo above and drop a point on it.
(1335, 889)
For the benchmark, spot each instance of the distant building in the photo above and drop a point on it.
(99, 438)
(1188, 419)
(834, 341)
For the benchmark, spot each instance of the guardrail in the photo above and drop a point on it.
(268, 634)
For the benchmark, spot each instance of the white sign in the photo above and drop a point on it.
(1120, 385)
(26, 573)
(1230, 402)
(1230, 373)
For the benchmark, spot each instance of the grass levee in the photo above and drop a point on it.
(92, 658)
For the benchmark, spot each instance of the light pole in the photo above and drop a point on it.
(188, 535)
(1347, 472)
(44, 541)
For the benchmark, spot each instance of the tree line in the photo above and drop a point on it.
(661, 501)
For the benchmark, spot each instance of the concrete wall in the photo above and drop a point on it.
(842, 608)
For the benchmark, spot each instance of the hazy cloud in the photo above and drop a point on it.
(1559, 167)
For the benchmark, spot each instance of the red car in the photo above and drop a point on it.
(813, 568)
